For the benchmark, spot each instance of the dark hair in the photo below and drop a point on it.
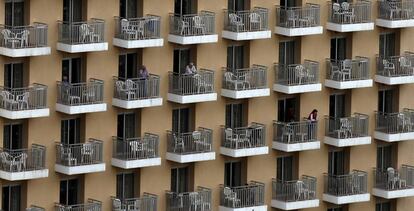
(314, 110)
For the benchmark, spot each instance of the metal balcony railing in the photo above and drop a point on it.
(21, 160)
(35, 208)
(75, 94)
(392, 123)
(396, 66)
(91, 205)
(345, 185)
(295, 190)
(347, 127)
(348, 70)
(191, 84)
(75, 33)
(297, 74)
(244, 137)
(88, 153)
(19, 37)
(198, 141)
(396, 10)
(27, 98)
(143, 28)
(394, 179)
(136, 148)
(242, 196)
(256, 19)
(147, 202)
(295, 132)
(137, 88)
(298, 17)
(349, 13)
(245, 79)
(197, 200)
(193, 25)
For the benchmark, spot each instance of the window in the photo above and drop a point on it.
(127, 66)
(13, 136)
(387, 101)
(288, 3)
(288, 109)
(69, 192)
(285, 168)
(232, 174)
(235, 57)
(387, 45)
(14, 13)
(384, 157)
(181, 120)
(70, 131)
(185, 7)
(130, 8)
(11, 198)
(72, 70)
(235, 115)
(13, 75)
(125, 186)
(338, 48)
(179, 180)
(287, 52)
(337, 105)
(383, 206)
(72, 10)
(126, 125)
(335, 209)
(238, 5)
(336, 162)
(182, 57)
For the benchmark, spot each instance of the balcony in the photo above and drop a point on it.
(133, 153)
(244, 141)
(23, 164)
(395, 70)
(393, 183)
(141, 32)
(81, 37)
(190, 147)
(197, 200)
(348, 74)
(298, 21)
(392, 127)
(147, 202)
(193, 29)
(245, 83)
(347, 131)
(21, 41)
(191, 88)
(295, 136)
(246, 25)
(22, 103)
(243, 198)
(346, 189)
(79, 158)
(78, 98)
(350, 17)
(35, 208)
(135, 93)
(297, 78)
(91, 204)
(395, 14)
(295, 194)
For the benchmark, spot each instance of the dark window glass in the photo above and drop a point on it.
(13, 75)
(338, 48)
(234, 115)
(13, 136)
(70, 131)
(68, 194)
(181, 120)
(11, 198)
(125, 186)
(232, 174)
(179, 180)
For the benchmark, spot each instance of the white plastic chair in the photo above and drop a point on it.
(236, 21)
(23, 100)
(255, 20)
(231, 196)
(199, 25)
(87, 151)
(389, 67)
(127, 31)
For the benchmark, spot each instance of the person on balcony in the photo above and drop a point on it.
(313, 118)
(65, 89)
(143, 72)
(313, 115)
(143, 76)
(190, 69)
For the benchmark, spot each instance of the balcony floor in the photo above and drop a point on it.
(244, 152)
(131, 44)
(188, 40)
(242, 94)
(25, 52)
(295, 147)
(24, 114)
(347, 142)
(131, 164)
(394, 80)
(25, 175)
(393, 194)
(346, 199)
(297, 88)
(196, 98)
(80, 48)
(132, 104)
(189, 158)
(295, 205)
(84, 169)
(348, 84)
(393, 137)
(255, 208)
(350, 27)
(292, 32)
(392, 24)
(80, 109)
(254, 35)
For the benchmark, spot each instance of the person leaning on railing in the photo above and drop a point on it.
(65, 89)
(313, 118)
(143, 76)
(190, 69)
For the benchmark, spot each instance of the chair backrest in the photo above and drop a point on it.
(177, 140)
(198, 21)
(336, 7)
(84, 29)
(300, 70)
(6, 33)
(129, 84)
(234, 19)
(124, 24)
(116, 204)
(300, 186)
(228, 133)
(345, 5)
(227, 191)
(120, 85)
(254, 18)
(196, 135)
(25, 34)
(390, 173)
(8, 95)
(135, 146)
(229, 76)
(345, 123)
(404, 62)
(346, 64)
(87, 148)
